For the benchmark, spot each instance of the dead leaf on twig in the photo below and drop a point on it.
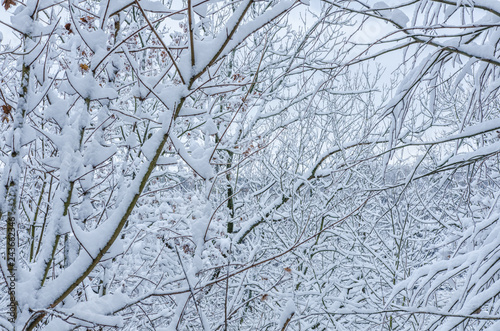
(84, 67)
(67, 26)
(6, 109)
(8, 3)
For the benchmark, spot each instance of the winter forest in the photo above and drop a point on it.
(250, 165)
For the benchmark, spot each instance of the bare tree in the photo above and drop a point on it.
(430, 236)
(115, 104)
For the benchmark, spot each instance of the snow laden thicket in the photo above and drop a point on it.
(250, 165)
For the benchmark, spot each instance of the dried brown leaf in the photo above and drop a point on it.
(67, 26)
(8, 3)
(6, 109)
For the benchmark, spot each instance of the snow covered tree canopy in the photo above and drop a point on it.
(250, 165)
